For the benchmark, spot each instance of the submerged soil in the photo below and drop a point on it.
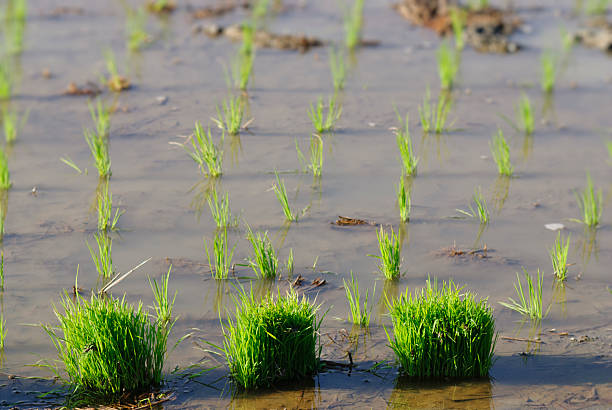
(179, 78)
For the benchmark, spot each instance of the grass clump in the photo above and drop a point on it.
(221, 261)
(315, 164)
(360, 315)
(135, 27)
(404, 145)
(433, 119)
(558, 257)
(442, 332)
(353, 24)
(110, 349)
(389, 246)
(205, 153)
(403, 201)
(265, 261)
(597, 7)
(548, 71)
(98, 145)
(12, 124)
(529, 304)
(106, 220)
(220, 210)
(103, 259)
(501, 154)
(482, 211)
(525, 115)
(447, 66)
(6, 83)
(271, 340)
(229, 115)
(458, 17)
(5, 178)
(338, 69)
(590, 204)
(100, 116)
(325, 123)
(281, 194)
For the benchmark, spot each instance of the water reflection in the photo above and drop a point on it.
(501, 188)
(390, 292)
(470, 394)
(587, 245)
(303, 395)
(202, 191)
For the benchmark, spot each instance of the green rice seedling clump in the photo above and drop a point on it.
(220, 262)
(5, 178)
(442, 332)
(220, 210)
(103, 259)
(2, 331)
(272, 340)
(6, 84)
(458, 23)
(525, 114)
(597, 7)
(338, 69)
(558, 257)
(501, 154)
(205, 153)
(590, 203)
(2, 261)
(482, 211)
(529, 304)
(100, 116)
(265, 261)
(281, 194)
(321, 122)
(389, 246)
(609, 146)
(106, 220)
(404, 145)
(12, 124)
(135, 27)
(110, 349)
(229, 115)
(434, 119)
(548, 68)
(98, 145)
(115, 81)
(360, 315)
(447, 66)
(403, 201)
(353, 24)
(315, 164)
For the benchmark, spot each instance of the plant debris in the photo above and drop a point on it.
(265, 39)
(89, 89)
(345, 221)
(598, 36)
(215, 11)
(454, 252)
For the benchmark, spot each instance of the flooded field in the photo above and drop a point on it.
(178, 78)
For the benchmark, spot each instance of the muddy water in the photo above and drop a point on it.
(167, 217)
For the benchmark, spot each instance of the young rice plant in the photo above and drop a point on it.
(447, 66)
(98, 145)
(404, 145)
(434, 119)
(482, 211)
(229, 116)
(360, 315)
(316, 156)
(220, 210)
(323, 123)
(501, 154)
(265, 261)
(403, 201)
(281, 194)
(558, 257)
(529, 304)
(590, 204)
(205, 153)
(103, 259)
(12, 124)
(548, 71)
(106, 220)
(353, 24)
(525, 115)
(389, 246)
(442, 332)
(221, 261)
(5, 179)
(338, 69)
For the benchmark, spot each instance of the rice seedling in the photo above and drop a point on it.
(115, 81)
(529, 304)
(2, 331)
(481, 212)
(404, 145)
(389, 246)
(434, 119)
(447, 66)
(548, 71)
(478, 4)
(260, 9)
(110, 349)
(100, 116)
(229, 116)
(135, 27)
(353, 24)
(106, 220)
(98, 145)
(71, 164)
(442, 332)
(265, 261)
(221, 263)
(205, 153)
(567, 40)
(597, 7)
(360, 315)
(609, 146)
(316, 156)
(590, 204)
(458, 17)
(525, 115)
(501, 154)
(220, 210)
(12, 124)
(2, 261)
(403, 201)
(161, 6)
(289, 264)
(338, 69)
(16, 10)
(272, 340)
(281, 194)
(6, 82)
(163, 306)
(558, 257)
(103, 259)
(5, 179)
(325, 123)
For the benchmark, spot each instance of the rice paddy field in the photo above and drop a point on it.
(179, 75)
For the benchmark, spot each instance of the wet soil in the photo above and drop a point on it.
(179, 78)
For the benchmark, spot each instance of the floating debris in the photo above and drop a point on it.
(554, 226)
(265, 39)
(90, 89)
(345, 221)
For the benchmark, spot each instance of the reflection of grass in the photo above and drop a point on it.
(442, 332)
(360, 315)
(529, 304)
(558, 257)
(590, 204)
(587, 244)
(271, 340)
